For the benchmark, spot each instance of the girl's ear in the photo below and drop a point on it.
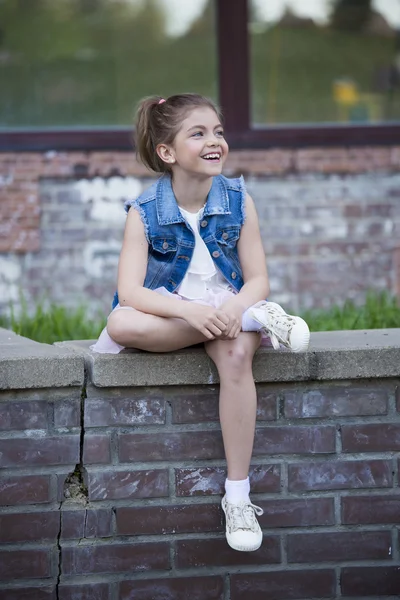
(166, 153)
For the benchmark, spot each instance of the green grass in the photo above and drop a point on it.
(53, 324)
(380, 311)
(57, 323)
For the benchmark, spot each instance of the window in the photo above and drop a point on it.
(325, 61)
(88, 62)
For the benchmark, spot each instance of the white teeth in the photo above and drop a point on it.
(212, 155)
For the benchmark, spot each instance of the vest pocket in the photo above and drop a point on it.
(228, 236)
(164, 244)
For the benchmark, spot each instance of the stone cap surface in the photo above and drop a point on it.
(331, 355)
(28, 364)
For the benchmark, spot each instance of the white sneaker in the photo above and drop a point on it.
(243, 532)
(292, 332)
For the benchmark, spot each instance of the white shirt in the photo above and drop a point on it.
(202, 275)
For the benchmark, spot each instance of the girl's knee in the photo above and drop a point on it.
(235, 357)
(121, 324)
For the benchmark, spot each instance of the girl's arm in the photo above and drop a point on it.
(252, 261)
(131, 275)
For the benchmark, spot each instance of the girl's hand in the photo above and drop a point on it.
(234, 311)
(211, 322)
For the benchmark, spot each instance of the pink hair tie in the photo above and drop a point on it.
(161, 101)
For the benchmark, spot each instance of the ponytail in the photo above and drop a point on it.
(146, 134)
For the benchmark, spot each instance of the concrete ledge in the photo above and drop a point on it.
(332, 355)
(28, 364)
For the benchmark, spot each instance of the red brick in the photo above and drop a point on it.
(370, 509)
(195, 588)
(216, 552)
(98, 523)
(24, 564)
(115, 558)
(339, 546)
(67, 413)
(188, 518)
(335, 401)
(305, 512)
(202, 407)
(23, 415)
(73, 524)
(124, 411)
(372, 437)
(29, 489)
(284, 585)
(115, 485)
(352, 211)
(195, 407)
(29, 527)
(96, 449)
(93, 591)
(294, 440)
(29, 593)
(340, 475)
(370, 581)
(90, 523)
(191, 445)
(204, 481)
(25, 452)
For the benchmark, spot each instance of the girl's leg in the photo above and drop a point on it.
(237, 399)
(134, 329)
(238, 417)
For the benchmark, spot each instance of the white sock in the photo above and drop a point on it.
(248, 323)
(237, 491)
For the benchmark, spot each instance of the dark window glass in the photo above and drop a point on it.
(88, 62)
(319, 61)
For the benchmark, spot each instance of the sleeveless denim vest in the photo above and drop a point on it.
(171, 240)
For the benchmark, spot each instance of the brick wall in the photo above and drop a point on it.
(330, 219)
(114, 494)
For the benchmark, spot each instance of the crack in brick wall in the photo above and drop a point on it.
(148, 464)
(143, 516)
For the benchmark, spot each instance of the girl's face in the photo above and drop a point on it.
(199, 147)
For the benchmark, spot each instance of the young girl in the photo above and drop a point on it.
(191, 270)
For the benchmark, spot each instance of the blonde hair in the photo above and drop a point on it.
(158, 121)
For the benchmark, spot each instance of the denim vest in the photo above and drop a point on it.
(171, 240)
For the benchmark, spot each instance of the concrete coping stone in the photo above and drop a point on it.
(331, 356)
(26, 364)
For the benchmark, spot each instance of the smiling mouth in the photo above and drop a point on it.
(212, 156)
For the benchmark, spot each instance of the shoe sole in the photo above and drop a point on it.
(241, 549)
(304, 337)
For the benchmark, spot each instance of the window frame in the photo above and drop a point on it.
(234, 97)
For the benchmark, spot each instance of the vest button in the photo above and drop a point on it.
(165, 245)
(215, 254)
(224, 236)
(233, 275)
(204, 223)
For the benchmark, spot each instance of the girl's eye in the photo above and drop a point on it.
(221, 133)
(197, 133)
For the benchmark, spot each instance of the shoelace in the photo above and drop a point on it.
(241, 516)
(281, 326)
